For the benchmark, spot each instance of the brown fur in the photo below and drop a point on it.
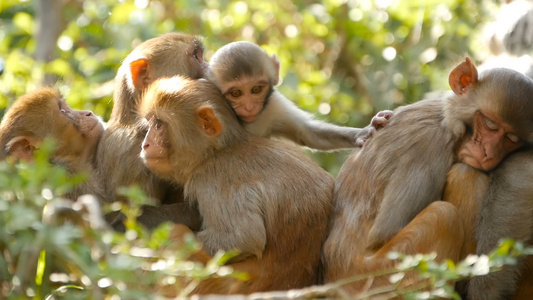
(438, 219)
(503, 209)
(118, 154)
(406, 163)
(37, 116)
(242, 65)
(260, 196)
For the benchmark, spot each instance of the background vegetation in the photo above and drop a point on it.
(343, 60)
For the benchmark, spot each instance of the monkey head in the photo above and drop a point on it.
(164, 56)
(183, 127)
(45, 114)
(246, 76)
(495, 110)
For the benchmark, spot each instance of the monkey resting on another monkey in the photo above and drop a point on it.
(246, 76)
(265, 198)
(406, 163)
(118, 161)
(43, 114)
(495, 205)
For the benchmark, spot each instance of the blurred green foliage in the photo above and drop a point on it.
(53, 246)
(343, 60)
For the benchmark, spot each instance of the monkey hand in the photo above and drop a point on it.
(380, 120)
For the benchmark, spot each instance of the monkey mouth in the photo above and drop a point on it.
(248, 119)
(151, 158)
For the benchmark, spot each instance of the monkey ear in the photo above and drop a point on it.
(139, 73)
(463, 76)
(22, 147)
(276, 63)
(209, 121)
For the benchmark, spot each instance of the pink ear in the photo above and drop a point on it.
(139, 73)
(209, 121)
(21, 147)
(276, 63)
(463, 76)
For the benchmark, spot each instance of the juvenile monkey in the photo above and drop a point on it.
(406, 163)
(246, 76)
(265, 198)
(495, 206)
(118, 159)
(43, 114)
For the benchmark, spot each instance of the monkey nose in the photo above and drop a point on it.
(144, 146)
(249, 107)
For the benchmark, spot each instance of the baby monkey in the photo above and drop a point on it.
(246, 76)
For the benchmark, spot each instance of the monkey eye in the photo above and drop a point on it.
(257, 89)
(513, 138)
(62, 111)
(491, 125)
(198, 54)
(235, 93)
(158, 124)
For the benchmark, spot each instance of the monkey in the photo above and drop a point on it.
(117, 160)
(246, 75)
(261, 196)
(406, 163)
(494, 206)
(43, 114)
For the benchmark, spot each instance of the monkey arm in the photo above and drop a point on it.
(247, 233)
(281, 117)
(506, 212)
(401, 202)
(466, 189)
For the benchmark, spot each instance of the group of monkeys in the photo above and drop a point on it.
(450, 176)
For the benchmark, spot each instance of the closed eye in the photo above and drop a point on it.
(513, 138)
(491, 125)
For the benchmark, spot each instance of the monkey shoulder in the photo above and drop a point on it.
(259, 158)
(269, 170)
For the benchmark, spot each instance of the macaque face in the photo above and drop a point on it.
(45, 114)
(155, 147)
(247, 96)
(80, 127)
(491, 141)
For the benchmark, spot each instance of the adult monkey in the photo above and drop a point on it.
(503, 207)
(43, 114)
(118, 159)
(261, 196)
(405, 165)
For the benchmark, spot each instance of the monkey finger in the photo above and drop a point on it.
(364, 135)
(387, 114)
(381, 119)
